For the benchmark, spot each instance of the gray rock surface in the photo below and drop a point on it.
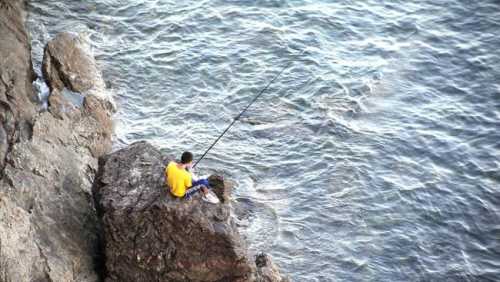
(49, 229)
(152, 236)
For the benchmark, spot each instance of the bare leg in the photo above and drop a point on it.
(204, 190)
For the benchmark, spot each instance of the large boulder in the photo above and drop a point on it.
(152, 236)
(78, 94)
(68, 62)
(49, 228)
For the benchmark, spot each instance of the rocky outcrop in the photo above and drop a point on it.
(73, 75)
(49, 229)
(151, 236)
(68, 62)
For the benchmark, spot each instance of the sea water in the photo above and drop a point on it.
(374, 157)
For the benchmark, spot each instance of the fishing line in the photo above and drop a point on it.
(248, 106)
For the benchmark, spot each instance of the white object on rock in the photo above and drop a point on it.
(210, 197)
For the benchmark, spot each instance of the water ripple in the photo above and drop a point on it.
(374, 157)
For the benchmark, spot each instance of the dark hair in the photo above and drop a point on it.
(186, 157)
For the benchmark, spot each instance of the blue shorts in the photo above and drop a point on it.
(195, 187)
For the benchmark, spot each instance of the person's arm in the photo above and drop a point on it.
(194, 177)
(188, 181)
(167, 168)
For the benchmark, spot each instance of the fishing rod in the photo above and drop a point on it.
(248, 106)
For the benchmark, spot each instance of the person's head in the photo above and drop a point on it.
(187, 159)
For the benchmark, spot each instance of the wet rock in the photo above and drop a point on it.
(221, 189)
(68, 62)
(78, 95)
(267, 271)
(69, 67)
(152, 236)
(59, 105)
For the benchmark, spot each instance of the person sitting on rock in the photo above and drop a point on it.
(180, 180)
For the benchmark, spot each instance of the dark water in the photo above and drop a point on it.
(375, 157)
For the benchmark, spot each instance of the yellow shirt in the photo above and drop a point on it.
(178, 179)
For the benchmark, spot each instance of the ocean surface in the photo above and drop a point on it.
(374, 157)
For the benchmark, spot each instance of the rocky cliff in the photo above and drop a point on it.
(49, 230)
